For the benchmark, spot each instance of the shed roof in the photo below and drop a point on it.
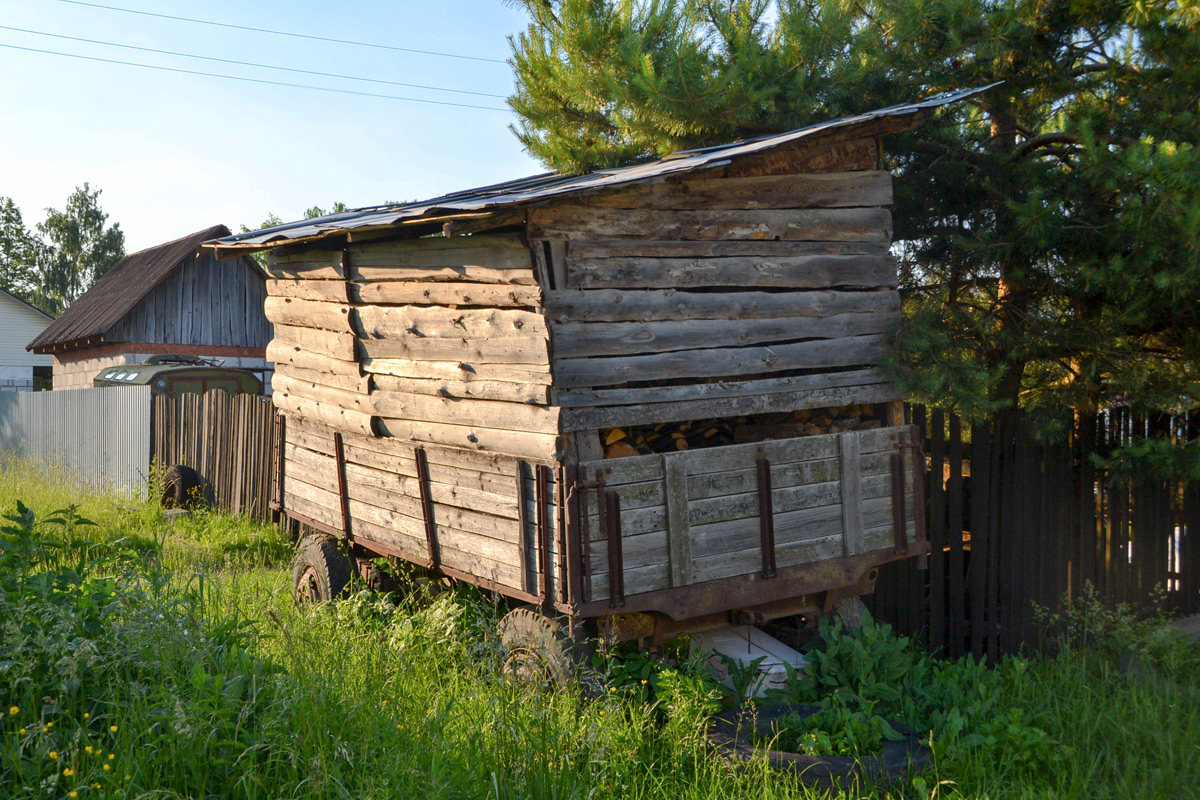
(120, 289)
(547, 185)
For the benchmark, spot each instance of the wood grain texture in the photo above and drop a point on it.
(331, 291)
(509, 391)
(580, 419)
(589, 339)
(821, 225)
(821, 354)
(445, 294)
(306, 265)
(852, 494)
(328, 343)
(466, 411)
(324, 315)
(651, 305)
(455, 370)
(536, 446)
(823, 190)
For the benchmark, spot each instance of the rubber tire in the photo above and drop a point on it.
(320, 572)
(732, 733)
(180, 484)
(537, 649)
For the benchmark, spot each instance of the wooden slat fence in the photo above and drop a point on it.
(228, 439)
(1014, 522)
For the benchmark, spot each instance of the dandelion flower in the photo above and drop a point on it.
(88, 749)
(612, 688)
(112, 728)
(95, 786)
(49, 725)
(22, 731)
(68, 772)
(13, 711)
(111, 756)
(107, 767)
(73, 795)
(86, 715)
(643, 681)
(53, 755)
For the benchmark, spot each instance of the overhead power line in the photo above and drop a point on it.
(285, 33)
(247, 63)
(249, 80)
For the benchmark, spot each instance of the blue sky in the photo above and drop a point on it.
(175, 153)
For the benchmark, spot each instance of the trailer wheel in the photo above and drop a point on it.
(537, 649)
(321, 572)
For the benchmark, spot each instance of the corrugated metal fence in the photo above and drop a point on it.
(100, 435)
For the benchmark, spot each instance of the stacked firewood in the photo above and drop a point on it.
(669, 437)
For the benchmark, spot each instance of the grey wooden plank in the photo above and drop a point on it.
(721, 362)
(647, 305)
(679, 540)
(852, 493)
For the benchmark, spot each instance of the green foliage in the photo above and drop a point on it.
(833, 731)
(73, 251)
(77, 249)
(18, 252)
(1048, 230)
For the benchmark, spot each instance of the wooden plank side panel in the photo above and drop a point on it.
(589, 339)
(650, 305)
(821, 190)
(831, 225)
(742, 272)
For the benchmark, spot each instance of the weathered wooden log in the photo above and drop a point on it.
(324, 411)
(388, 322)
(646, 305)
(466, 411)
(350, 382)
(457, 370)
(281, 352)
(789, 272)
(328, 343)
(837, 153)
(507, 391)
(649, 395)
(758, 359)
(539, 447)
(583, 419)
(588, 339)
(492, 350)
(306, 264)
(445, 294)
(830, 225)
(584, 249)
(333, 291)
(863, 188)
(309, 314)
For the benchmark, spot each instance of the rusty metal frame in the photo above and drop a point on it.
(543, 534)
(899, 523)
(616, 556)
(572, 506)
(431, 542)
(303, 519)
(339, 455)
(766, 518)
(276, 503)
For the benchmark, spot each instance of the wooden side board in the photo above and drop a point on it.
(695, 516)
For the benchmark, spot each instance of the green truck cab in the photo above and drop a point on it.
(174, 375)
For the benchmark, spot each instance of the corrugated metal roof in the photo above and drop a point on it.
(120, 289)
(547, 185)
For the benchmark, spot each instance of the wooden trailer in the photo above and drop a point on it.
(452, 375)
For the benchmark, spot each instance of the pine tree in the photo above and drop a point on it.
(1048, 230)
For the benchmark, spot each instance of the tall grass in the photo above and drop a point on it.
(183, 636)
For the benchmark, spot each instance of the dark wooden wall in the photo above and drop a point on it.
(1015, 523)
(207, 301)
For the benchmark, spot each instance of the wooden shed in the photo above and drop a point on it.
(170, 299)
(451, 372)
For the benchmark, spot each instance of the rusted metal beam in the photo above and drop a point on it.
(280, 458)
(766, 518)
(339, 454)
(570, 477)
(431, 542)
(616, 559)
(543, 534)
(312, 523)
